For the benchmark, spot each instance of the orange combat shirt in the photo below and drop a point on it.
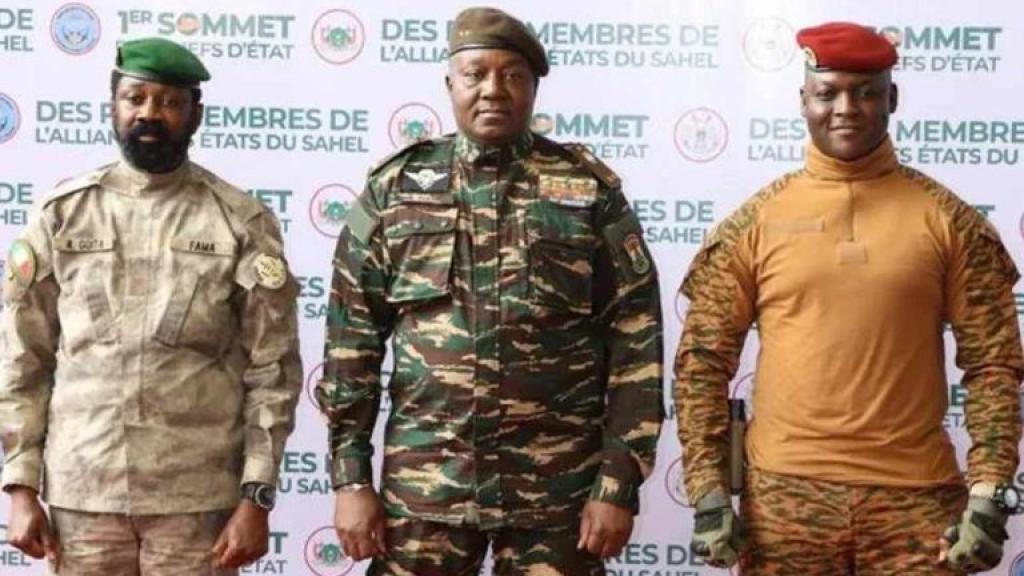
(851, 270)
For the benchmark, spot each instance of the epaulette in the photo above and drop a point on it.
(395, 155)
(594, 164)
(78, 183)
(238, 202)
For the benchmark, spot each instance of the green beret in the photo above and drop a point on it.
(160, 60)
(492, 28)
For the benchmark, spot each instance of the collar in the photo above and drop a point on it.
(476, 153)
(878, 163)
(135, 182)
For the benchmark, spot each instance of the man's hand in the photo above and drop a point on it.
(976, 543)
(28, 528)
(604, 528)
(244, 538)
(359, 520)
(717, 533)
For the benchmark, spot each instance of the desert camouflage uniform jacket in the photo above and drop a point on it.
(527, 335)
(150, 361)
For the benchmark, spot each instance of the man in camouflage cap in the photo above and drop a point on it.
(851, 267)
(150, 346)
(526, 393)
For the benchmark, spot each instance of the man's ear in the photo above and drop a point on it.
(894, 98)
(197, 118)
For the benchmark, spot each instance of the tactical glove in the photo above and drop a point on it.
(717, 533)
(976, 543)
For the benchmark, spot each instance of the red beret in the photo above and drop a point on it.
(846, 46)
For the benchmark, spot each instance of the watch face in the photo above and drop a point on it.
(1011, 498)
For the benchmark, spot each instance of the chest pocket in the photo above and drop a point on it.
(84, 269)
(420, 236)
(562, 250)
(197, 312)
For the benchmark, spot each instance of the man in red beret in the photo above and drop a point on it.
(852, 267)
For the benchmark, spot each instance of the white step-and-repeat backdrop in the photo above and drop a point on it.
(693, 102)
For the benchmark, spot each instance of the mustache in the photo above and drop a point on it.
(143, 128)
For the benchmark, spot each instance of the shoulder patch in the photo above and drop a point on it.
(78, 183)
(594, 164)
(270, 271)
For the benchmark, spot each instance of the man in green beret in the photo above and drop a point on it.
(150, 368)
(526, 396)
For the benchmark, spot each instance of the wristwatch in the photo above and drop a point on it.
(260, 494)
(1006, 498)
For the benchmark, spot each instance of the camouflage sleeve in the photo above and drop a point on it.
(269, 335)
(29, 344)
(628, 306)
(358, 324)
(721, 291)
(980, 307)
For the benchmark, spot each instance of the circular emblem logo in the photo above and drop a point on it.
(674, 483)
(10, 118)
(338, 36)
(1017, 567)
(324, 555)
(75, 28)
(768, 44)
(413, 122)
(701, 135)
(329, 207)
(542, 124)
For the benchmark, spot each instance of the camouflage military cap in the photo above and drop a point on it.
(160, 60)
(492, 28)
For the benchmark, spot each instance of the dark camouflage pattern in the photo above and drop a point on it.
(422, 548)
(811, 528)
(527, 347)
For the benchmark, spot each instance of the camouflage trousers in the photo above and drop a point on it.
(421, 548)
(810, 528)
(166, 545)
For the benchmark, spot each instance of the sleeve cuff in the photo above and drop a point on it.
(616, 491)
(350, 471)
(23, 472)
(259, 470)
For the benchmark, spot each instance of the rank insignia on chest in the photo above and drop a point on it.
(426, 179)
(21, 264)
(572, 191)
(270, 271)
(635, 251)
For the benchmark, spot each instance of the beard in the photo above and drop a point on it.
(162, 155)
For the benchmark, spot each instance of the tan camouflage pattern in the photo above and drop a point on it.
(974, 283)
(94, 544)
(423, 548)
(144, 360)
(527, 349)
(814, 528)
(715, 329)
(984, 321)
